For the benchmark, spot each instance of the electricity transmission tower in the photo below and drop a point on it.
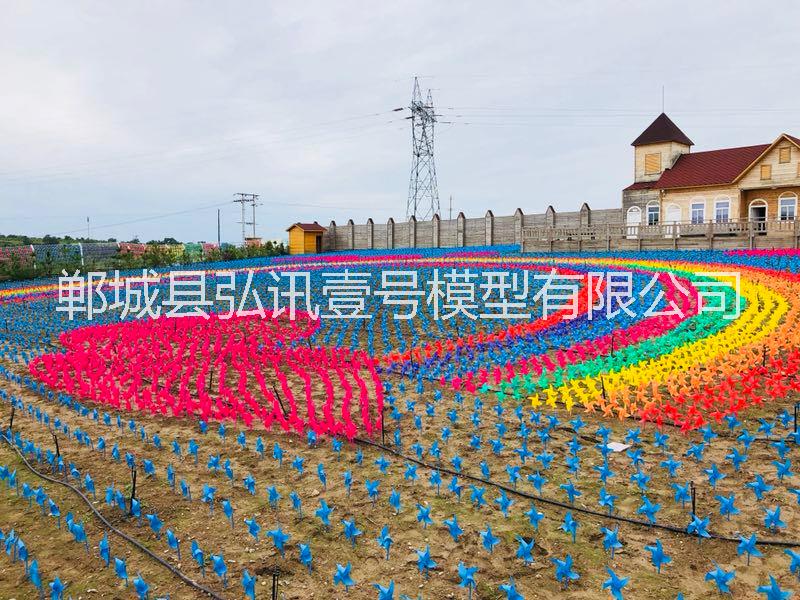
(244, 200)
(423, 195)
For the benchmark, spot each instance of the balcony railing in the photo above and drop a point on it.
(673, 229)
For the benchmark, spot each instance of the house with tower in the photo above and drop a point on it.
(673, 185)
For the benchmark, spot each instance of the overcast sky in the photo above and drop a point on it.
(131, 115)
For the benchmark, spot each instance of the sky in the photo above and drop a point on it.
(147, 117)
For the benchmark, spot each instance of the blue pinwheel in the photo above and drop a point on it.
(305, 556)
(220, 568)
(424, 561)
(534, 517)
(759, 487)
(773, 591)
(394, 501)
(424, 515)
(525, 549)
(372, 489)
(249, 585)
(571, 491)
(156, 524)
(504, 503)
(453, 528)
(385, 540)
(173, 542)
(794, 566)
(273, 496)
(564, 571)
(466, 577)
(611, 540)
(570, 525)
(614, 584)
(385, 593)
(324, 513)
(140, 587)
(727, 505)
(721, 578)
(342, 576)
(657, 555)
(227, 510)
(488, 539)
(279, 539)
(121, 569)
(351, 532)
(105, 549)
(699, 527)
(253, 528)
(772, 519)
(748, 546)
(57, 589)
(649, 509)
(510, 590)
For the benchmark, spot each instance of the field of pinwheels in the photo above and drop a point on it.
(533, 426)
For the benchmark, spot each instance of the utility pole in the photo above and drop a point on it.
(219, 230)
(88, 230)
(450, 213)
(423, 195)
(244, 200)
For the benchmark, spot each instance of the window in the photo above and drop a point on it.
(652, 163)
(785, 155)
(766, 171)
(653, 214)
(787, 207)
(722, 210)
(698, 212)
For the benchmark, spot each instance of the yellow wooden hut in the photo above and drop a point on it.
(305, 238)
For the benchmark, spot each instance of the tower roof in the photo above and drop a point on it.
(662, 130)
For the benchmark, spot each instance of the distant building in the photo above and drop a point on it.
(674, 185)
(305, 238)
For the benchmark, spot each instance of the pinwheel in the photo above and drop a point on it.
(615, 584)
(510, 590)
(466, 577)
(173, 542)
(351, 532)
(323, 513)
(748, 546)
(424, 561)
(249, 585)
(34, 576)
(120, 569)
(570, 525)
(424, 515)
(385, 593)
(57, 589)
(342, 576)
(773, 590)
(721, 578)
(699, 527)
(279, 539)
(227, 510)
(525, 549)
(657, 555)
(220, 568)
(772, 519)
(488, 539)
(565, 574)
(305, 556)
(385, 540)
(140, 587)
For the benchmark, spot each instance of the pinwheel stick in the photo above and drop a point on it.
(13, 410)
(796, 406)
(694, 499)
(133, 488)
(274, 585)
(280, 400)
(58, 452)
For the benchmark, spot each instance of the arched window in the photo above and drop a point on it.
(787, 206)
(722, 209)
(653, 213)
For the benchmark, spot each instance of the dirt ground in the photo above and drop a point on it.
(87, 576)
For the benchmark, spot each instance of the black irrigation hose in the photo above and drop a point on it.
(110, 527)
(564, 505)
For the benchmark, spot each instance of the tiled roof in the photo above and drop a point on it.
(308, 227)
(641, 185)
(662, 130)
(714, 167)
